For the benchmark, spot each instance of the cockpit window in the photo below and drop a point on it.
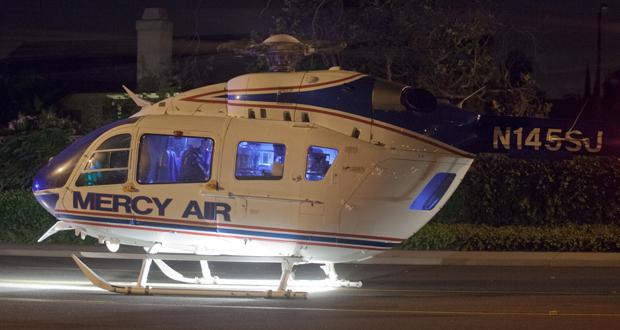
(108, 159)
(172, 159)
(109, 164)
(56, 173)
(320, 159)
(260, 161)
(116, 142)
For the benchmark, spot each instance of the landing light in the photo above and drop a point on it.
(112, 246)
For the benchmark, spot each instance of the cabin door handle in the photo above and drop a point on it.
(129, 187)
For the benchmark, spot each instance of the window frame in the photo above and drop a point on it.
(110, 151)
(137, 171)
(259, 178)
(91, 154)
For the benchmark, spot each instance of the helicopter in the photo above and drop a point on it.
(295, 167)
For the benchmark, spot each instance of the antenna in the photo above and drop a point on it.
(460, 104)
(136, 99)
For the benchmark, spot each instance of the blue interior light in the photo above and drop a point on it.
(433, 192)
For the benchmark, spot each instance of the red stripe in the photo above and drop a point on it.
(194, 98)
(375, 123)
(275, 88)
(331, 113)
(219, 235)
(206, 225)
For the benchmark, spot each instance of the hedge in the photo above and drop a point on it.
(23, 220)
(25, 152)
(472, 237)
(496, 191)
(503, 191)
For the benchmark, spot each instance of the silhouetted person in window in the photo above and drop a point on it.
(192, 168)
(318, 165)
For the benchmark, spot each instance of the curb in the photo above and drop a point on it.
(476, 258)
(393, 257)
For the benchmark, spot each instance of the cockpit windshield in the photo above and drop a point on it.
(56, 173)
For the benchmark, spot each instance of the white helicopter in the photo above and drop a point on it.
(321, 167)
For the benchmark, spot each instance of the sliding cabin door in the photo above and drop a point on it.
(323, 151)
(175, 186)
(263, 169)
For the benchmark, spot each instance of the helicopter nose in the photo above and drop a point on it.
(48, 201)
(44, 180)
(38, 182)
(55, 174)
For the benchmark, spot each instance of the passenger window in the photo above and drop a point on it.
(260, 161)
(171, 159)
(108, 165)
(320, 159)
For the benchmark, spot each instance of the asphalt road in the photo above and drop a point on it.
(51, 293)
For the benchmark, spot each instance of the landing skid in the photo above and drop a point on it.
(204, 286)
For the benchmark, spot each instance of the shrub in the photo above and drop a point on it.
(471, 237)
(24, 220)
(25, 152)
(503, 191)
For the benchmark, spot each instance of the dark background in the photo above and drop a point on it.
(559, 35)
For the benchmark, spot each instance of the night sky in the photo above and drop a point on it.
(559, 35)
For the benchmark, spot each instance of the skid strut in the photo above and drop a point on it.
(176, 276)
(333, 280)
(207, 284)
(142, 286)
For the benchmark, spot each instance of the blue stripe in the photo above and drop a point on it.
(287, 236)
(354, 97)
(84, 217)
(447, 124)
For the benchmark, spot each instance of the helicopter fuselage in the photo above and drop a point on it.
(270, 164)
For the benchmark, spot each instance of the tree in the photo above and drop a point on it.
(444, 47)
(516, 92)
(26, 93)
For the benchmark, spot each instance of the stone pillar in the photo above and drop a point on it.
(154, 48)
